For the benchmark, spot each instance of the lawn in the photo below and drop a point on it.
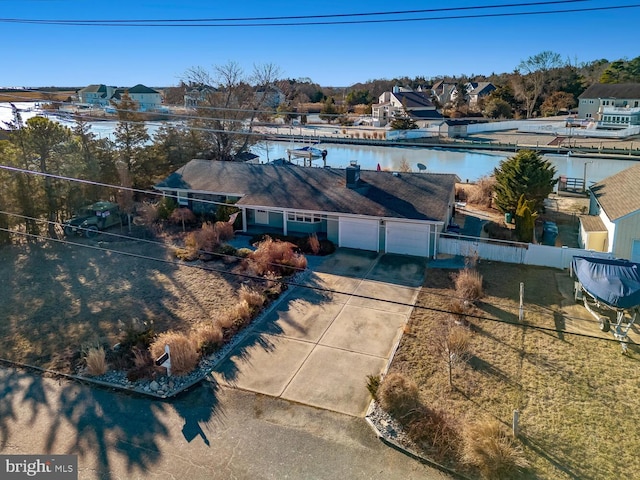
(59, 299)
(576, 396)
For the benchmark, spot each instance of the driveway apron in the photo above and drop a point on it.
(321, 340)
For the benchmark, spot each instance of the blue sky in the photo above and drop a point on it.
(331, 55)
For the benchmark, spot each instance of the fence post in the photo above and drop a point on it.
(521, 310)
(516, 420)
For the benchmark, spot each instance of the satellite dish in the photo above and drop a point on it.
(421, 166)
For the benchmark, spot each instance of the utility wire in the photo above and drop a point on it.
(301, 17)
(314, 288)
(322, 23)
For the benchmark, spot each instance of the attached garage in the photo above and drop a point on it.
(407, 238)
(358, 233)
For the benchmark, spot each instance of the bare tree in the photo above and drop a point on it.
(531, 77)
(230, 103)
(451, 344)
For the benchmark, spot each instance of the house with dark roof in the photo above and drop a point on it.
(477, 90)
(403, 101)
(96, 94)
(364, 209)
(611, 105)
(147, 98)
(613, 223)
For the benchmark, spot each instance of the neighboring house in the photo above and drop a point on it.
(197, 94)
(611, 105)
(417, 105)
(369, 210)
(96, 95)
(613, 223)
(103, 95)
(147, 98)
(444, 92)
(271, 97)
(477, 90)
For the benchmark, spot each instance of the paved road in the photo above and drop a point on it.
(208, 433)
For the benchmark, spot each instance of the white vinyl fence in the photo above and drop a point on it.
(512, 252)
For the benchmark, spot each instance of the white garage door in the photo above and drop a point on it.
(635, 251)
(358, 233)
(407, 238)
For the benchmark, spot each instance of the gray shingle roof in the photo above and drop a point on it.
(612, 90)
(414, 99)
(419, 196)
(94, 88)
(618, 194)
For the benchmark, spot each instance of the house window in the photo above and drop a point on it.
(303, 217)
(183, 199)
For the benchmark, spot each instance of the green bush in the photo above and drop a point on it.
(166, 206)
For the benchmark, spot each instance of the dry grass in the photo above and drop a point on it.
(207, 335)
(183, 350)
(577, 397)
(398, 395)
(224, 231)
(469, 285)
(252, 297)
(96, 359)
(487, 447)
(314, 244)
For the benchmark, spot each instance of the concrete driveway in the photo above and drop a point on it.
(322, 339)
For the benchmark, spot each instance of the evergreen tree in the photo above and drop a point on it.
(525, 220)
(403, 123)
(525, 173)
(130, 138)
(329, 111)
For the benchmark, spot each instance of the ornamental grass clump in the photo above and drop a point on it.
(488, 447)
(183, 350)
(398, 395)
(96, 360)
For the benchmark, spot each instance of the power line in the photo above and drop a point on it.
(300, 17)
(301, 285)
(320, 23)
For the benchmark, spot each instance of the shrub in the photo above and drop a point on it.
(469, 285)
(487, 447)
(241, 312)
(243, 252)
(183, 351)
(276, 257)
(148, 212)
(484, 193)
(165, 207)
(314, 244)
(398, 395)
(208, 336)
(436, 432)
(223, 230)
(253, 298)
(206, 239)
(142, 357)
(182, 216)
(459, 310)
(96, 361)
(373, 384)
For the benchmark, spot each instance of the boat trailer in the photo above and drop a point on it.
(606, 286)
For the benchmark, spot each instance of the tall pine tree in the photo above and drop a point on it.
(526, 173)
